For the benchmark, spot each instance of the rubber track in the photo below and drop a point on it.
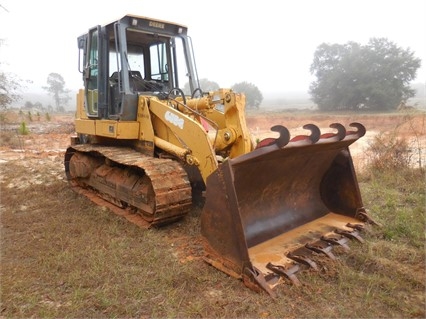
(168, 178)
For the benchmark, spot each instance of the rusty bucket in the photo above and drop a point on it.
(267, 213)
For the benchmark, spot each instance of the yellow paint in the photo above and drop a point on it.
(144, 118)
(85, 126)
(80, 113)
(170, 123)
(108, 128)
(117, 129)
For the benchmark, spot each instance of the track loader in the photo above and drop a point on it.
(144, 145)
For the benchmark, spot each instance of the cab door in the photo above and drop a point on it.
(91, 72)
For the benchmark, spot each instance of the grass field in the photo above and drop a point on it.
(64, 257)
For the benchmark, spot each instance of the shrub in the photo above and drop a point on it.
(3, 117)
(23, 129)
(389, 152)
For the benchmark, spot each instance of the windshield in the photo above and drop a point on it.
(154, 63)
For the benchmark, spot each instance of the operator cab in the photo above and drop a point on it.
(130, 57)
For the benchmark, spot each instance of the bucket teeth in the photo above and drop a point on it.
(354, 234)
(359, 227)
(302, 255)
(337, 240)
(289, 273)
(255, 275)
(322, 247)
(362, 215)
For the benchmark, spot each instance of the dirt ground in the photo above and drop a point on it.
(41, 151)
(48, 139)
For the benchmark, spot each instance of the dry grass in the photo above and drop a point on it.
(62, 256)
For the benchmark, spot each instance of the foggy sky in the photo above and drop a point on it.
(260, 42)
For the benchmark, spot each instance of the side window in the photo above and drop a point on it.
(159, 63)
(136, 60)
(181, 67)
(114, 61)
(91, 71)
(93, 61)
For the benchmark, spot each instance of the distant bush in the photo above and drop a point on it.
(23, 129)
(3, 117)
(389, 152)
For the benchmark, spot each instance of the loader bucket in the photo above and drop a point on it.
(268, 213)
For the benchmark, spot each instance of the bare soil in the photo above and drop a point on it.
(51, 138)
(38, 156)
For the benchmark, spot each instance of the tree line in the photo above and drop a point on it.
(254, 96)
(350, 76)
(11, 87)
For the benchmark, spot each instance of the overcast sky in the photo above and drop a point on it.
(268, 43)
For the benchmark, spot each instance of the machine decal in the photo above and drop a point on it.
(174, 119)
(156, 24)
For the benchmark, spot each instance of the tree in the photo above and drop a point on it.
(56, 88)
(9, 90)
(10, 86)
(205, 86)
(351, 76)
(253, 95)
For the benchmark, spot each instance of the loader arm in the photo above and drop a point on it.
(233, 134)
(173, 127)
(179, 123)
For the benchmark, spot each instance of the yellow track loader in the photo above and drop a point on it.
(147, 138)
